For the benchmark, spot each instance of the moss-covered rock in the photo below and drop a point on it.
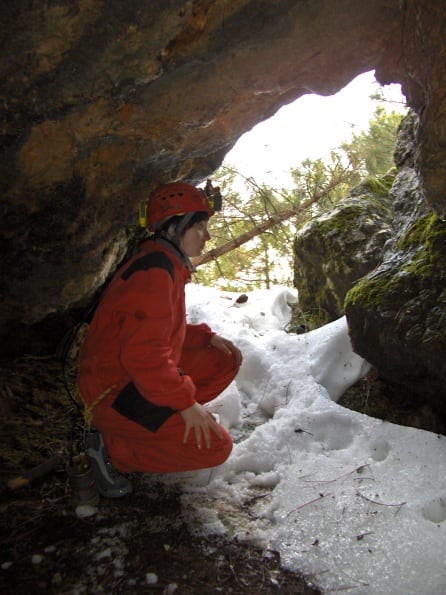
(335, 250)
(397, 314)
(380, 258)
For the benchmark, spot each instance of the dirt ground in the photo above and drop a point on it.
(140, 544)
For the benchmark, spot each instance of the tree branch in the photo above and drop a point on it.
(265, 225)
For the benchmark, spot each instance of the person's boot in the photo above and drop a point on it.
(110, 483)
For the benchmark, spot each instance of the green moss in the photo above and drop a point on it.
(373, 192)
(427, 240)
(428, 232)
(342, 219)
(373, 294)
(379, 187)
(415, 292)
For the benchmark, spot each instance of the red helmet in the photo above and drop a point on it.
(176, 198)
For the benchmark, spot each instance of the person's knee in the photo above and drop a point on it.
(225, 369)
(222, 450)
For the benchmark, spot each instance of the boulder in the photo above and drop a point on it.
(397, 313)
(332, 252)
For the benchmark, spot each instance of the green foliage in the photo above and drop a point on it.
(266, 259)
(411, 293)
(371, 151)
(254, 264)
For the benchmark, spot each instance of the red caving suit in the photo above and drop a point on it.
(140, 349)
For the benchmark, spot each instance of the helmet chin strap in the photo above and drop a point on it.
(173, 235)
(174, 232)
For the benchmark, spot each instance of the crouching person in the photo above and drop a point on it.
(144, 372)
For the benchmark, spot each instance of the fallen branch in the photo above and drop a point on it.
(260, 228)
(39, 471)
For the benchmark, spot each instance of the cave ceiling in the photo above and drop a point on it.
(102, 101)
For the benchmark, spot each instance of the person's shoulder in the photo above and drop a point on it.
(148, 260)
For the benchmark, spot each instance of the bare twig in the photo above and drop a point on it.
(346, 587)
(320, 497)
(359, 469)
(399, 505)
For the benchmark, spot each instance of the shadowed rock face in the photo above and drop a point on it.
(335, 250)
(379, 258)
(101, 101)
(397, 312)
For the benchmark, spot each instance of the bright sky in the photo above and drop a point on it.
(309, 127)
(355, 503)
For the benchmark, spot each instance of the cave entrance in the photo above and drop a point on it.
(310, 127)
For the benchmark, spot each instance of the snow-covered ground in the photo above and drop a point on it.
(356, 504)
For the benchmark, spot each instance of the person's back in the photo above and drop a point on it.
(145, 373)
(144, 302)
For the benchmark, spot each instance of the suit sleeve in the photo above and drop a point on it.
(145, 321)
(198, 335)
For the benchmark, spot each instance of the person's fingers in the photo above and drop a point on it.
(238, 355)
(215, 427)
(207, 436)
(227, 347)
(198, 436)
(235, 352)
(221, 344)
(186, 432)
(202, 423)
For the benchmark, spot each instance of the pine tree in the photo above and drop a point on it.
(261, 221)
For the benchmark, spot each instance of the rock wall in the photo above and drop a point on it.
(397, 313)
(101, 101)
(379, 258)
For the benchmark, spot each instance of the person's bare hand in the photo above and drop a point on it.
(227, 347)
(201, 421)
